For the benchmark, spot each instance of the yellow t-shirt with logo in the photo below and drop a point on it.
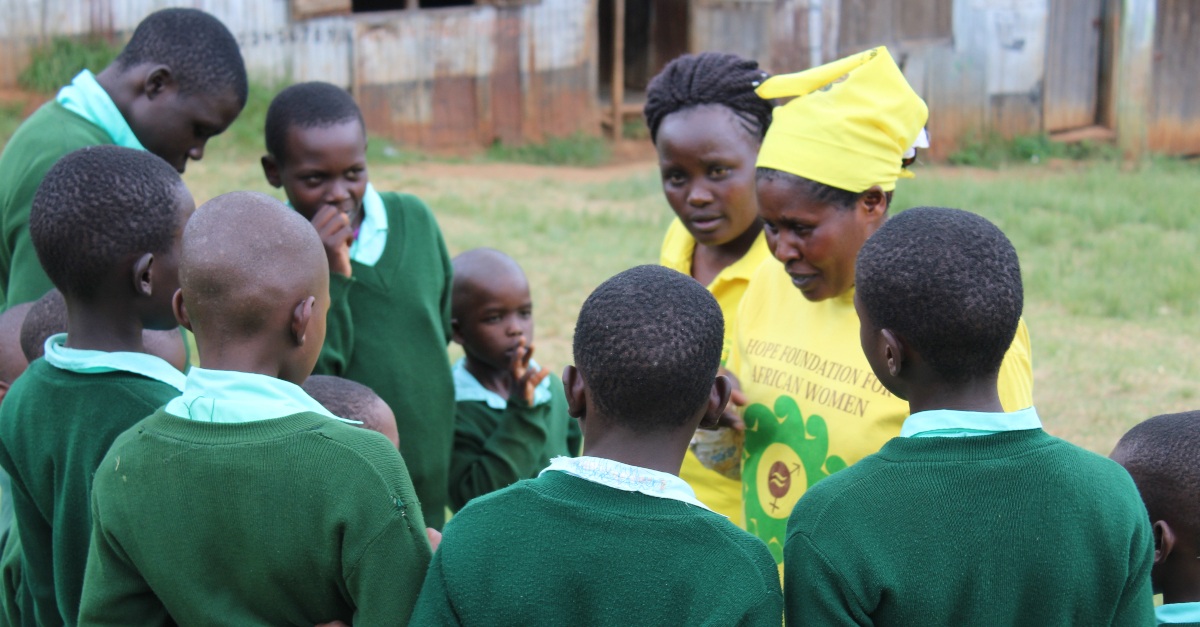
(814, 406)
(721, 494)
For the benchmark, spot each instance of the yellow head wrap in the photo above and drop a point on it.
(849, 126)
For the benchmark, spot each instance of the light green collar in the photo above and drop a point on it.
(948, 423)
(372, 232)
(87, 98)
(238, 397)
(93, 362)
(1177, 613)
(468, 388)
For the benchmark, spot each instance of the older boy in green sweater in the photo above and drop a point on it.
(511, 415)
(973, 516)
(244, 501)
(615, 537)
(106, 224)
(1162, 455)
(390, 275)
(179, 81)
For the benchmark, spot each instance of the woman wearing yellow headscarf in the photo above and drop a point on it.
(826, 172)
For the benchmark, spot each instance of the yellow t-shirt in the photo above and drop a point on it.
(815, 407)
(719, 493)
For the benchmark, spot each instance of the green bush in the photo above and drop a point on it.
(992, 151)
(56, 63)
(577, 150)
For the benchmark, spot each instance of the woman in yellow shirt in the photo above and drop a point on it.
(707, 124)
(826, 172)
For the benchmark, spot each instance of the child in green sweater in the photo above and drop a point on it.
(106, 224)
(615, 537)
(511, 417)
(354, 401)
(1162, 455)
(244, 501)
(389, 275)
(972, 516)
(179, 81)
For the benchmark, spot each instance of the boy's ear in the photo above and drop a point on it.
(271, 170)
(893, 347)
(1164, 541)
(181, 314)
(300, 319)
(718, 398)
(576, 391)
(143, 275)
(456, 330)
(158, 81)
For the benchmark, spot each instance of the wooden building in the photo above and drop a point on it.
(440, 73)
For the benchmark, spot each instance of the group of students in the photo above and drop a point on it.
(187, 388)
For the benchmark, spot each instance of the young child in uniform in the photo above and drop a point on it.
(106, 224)
(12, 358)
(353, 401)
(178, 82)
(615, 537)
(390, 275)
(707, 125)
(1162, 455)
(244, 501)
(512, 416)
(973, 515)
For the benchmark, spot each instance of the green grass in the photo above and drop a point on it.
(10, 119)
(575, 150)
(57, 62)
(992, 151)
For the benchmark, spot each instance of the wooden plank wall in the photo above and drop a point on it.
(1174, 116)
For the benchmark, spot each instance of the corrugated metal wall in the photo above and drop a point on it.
(1174, 124)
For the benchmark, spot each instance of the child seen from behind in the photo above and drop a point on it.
(353, 401)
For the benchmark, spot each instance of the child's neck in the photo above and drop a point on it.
(496, 380)
(1182, 583)
(657, 451)
(103, 328)
(979, 395)
(246, 355)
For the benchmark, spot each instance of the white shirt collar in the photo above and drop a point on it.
(1177, 613)
(86, 98)
(237, 397)
(372, 231)
(956, 424)
(626, 478)
(468, 388)
(91, 362)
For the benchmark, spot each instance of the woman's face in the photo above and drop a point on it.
(707, 160)
(817, 242)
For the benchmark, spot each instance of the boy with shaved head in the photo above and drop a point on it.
(511, 417)
(246, 482)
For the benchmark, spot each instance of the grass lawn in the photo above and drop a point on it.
(1110, 260)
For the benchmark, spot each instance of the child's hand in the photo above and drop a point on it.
(334, 228)
(435, 537)
(336, 623)
(525, 379)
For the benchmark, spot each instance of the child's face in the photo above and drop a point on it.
(165, 275)
(177, 127)
(816, 241)
(708, 164)
(497, 317)
(325, 166)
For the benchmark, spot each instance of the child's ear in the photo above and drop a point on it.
(575, 389)
(1164, 541)
(456, 330)
(181, 314)
(158, 80)
(718, 398)
(271, 171)
(143, 275)
(301, 316)
(893, 351)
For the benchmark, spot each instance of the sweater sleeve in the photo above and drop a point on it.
(339, 328)
(447, 285)
(114, 592)
(433, 606)
(817, 594)
(484, 462)
(1136, 605)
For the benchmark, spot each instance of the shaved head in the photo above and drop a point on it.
(12, 358)
(482, 268)
(247, 260)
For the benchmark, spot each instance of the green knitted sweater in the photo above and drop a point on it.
(494, 448)
(1016, 528)
(560, 550)
(55, 427)
(388, 327)
(296, 520)
(41, 140)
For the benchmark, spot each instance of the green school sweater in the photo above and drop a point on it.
(55, 427)
(296, 520)
(388, 328)
(560, 550)
(495, 448)
(1016, 528)
(41, 140)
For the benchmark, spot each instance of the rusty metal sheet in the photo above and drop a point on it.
(1174, 117)
(1072, 78)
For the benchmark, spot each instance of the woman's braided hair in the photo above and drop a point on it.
(709, 78)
